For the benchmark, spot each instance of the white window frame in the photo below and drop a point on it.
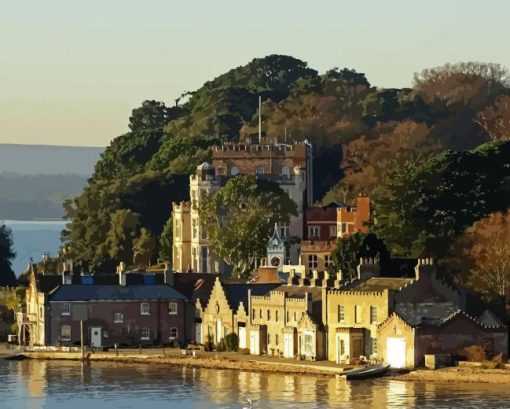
(373, 314)
(65, 309)
(67, 338)
(314, 231)
(118, 318)
(173, 329)
(332, 230)
(145, 333)
(171, 309)
(328, 261)
(145, 308)
(341, 313)
(313, 261)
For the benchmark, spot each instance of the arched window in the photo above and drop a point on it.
(234, 170)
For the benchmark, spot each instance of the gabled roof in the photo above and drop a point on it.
(75, 292)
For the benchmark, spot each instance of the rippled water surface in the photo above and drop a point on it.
(71, 385)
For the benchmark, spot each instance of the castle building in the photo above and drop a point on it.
(290, 166)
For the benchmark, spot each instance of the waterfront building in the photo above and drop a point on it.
(125, 314)
(290, 166)
(227, 310)
(357, 314)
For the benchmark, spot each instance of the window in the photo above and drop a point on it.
(373, 314)
(286, 171)
(276, 340)
(344, 227)
(312, 261)
(374, 345)
(276, 315)
(118, 317)
(284, 230)
(177, 230)
(314, 231)
(173, 333)
(195, 228)
(327, 261)
(342, 347)
(332, 231)
(253, 314)
(308, 344)
(65, 333)
(234, 170)
(105, 334)
(341, 313)
(288, 316)
(295, 319)
(269, 315)
(145, 333)
(357, 314)
(66, 309)
(172, 308)
(260, 313)
(260, 170)
(145, 308)
(268, 339)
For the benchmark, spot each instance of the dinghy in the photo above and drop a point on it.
(369, 371)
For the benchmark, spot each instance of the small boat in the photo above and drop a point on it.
(369, 371)
(17, 357)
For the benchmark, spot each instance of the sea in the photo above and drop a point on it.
(31, 239)
(34, 384)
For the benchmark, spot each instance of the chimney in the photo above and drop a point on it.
(66, 278)
(168, 275)
(425, 268)
(121, 271)
(339, 279)
(368, 268)
(290, 278)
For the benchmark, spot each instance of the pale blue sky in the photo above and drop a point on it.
(71, 71)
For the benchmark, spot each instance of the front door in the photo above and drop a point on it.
(288, 345)
(396, 352)
(218, 331)
(198, 332)
(242, 337)
(254, 343)
(95, 336)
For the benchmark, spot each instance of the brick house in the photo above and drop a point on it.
(125, 314)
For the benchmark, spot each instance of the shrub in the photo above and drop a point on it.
(473, 353)
(230, 342)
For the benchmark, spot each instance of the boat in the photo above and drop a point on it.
(369, 371)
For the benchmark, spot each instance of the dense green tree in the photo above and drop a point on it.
(239, 218)
(166, 241)
(7, 276)
(348, 252)
(432, 202)
(123, 228)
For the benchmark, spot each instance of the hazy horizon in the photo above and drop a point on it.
(72, 72)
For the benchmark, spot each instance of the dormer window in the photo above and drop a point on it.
(314, 231)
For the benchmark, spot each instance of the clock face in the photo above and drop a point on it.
(275, 261)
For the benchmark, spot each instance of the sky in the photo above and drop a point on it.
(72, 70)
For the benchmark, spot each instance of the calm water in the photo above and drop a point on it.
(59, 385)
(32, 239)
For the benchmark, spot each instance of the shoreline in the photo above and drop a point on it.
(450, 375)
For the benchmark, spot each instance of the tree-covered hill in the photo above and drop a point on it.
(362, 136)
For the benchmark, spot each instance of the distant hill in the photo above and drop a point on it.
(36, 179)
(47, 159)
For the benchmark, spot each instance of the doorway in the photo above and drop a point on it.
(95, 337)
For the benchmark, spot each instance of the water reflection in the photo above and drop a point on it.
(40, 384)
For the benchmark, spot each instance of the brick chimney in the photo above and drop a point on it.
(425, 268)
(168, 275)
(121, 271)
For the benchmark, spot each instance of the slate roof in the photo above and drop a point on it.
(237, 293)
(195, 285)
(379, 284)
(73, 292)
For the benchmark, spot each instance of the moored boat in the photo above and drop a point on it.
(369, 371)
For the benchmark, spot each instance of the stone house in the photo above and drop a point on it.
(227, 310)
(290, 166)
(405, 344)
